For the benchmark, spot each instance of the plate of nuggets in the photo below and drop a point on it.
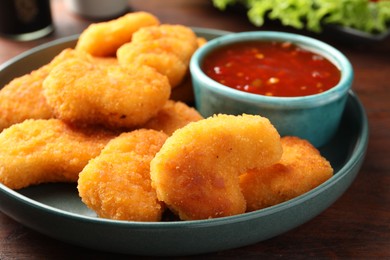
(100, 147)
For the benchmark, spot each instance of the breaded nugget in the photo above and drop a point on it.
(117, 184)
(23, 98)
(172, 116)
(177, 39)
(104, 38)
(196, 172)
(167, 48)
(40, 151)
(85, 93)
(166, 63)
(300, 169)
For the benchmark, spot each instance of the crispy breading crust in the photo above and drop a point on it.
(117, 184)
(300, 169)
(196, 172)
(85, 93)
(104, 38)
(174, 115)
(167, 48)
(40, 151)
(23, 97)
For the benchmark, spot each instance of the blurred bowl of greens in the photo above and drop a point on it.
(365, 20)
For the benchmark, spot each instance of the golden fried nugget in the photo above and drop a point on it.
(70, 53)
(177, 39)
(23, 97)
(167, 48)
(85, 93)
(196, 172)
(172, 116)
(117, 184)
(104, 38)
(40, 151)
(300, 169)
(166, 63)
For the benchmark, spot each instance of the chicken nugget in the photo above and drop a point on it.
(142, 54)
(300, 169)
(41, 151)
(172, 116)
(85, 93)
(104, 38)
(167, 48)
(23, 97)
(117, 184)
(177, 39)
(196, 172)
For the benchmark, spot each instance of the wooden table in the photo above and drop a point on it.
(356, 226)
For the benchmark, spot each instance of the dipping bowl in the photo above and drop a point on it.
(313, 117)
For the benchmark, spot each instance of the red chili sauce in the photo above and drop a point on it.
(270, 68)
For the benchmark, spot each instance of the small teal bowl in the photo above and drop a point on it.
(315, 117)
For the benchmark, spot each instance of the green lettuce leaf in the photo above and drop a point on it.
(364, 15)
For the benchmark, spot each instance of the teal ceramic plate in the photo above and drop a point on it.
(56, 210)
